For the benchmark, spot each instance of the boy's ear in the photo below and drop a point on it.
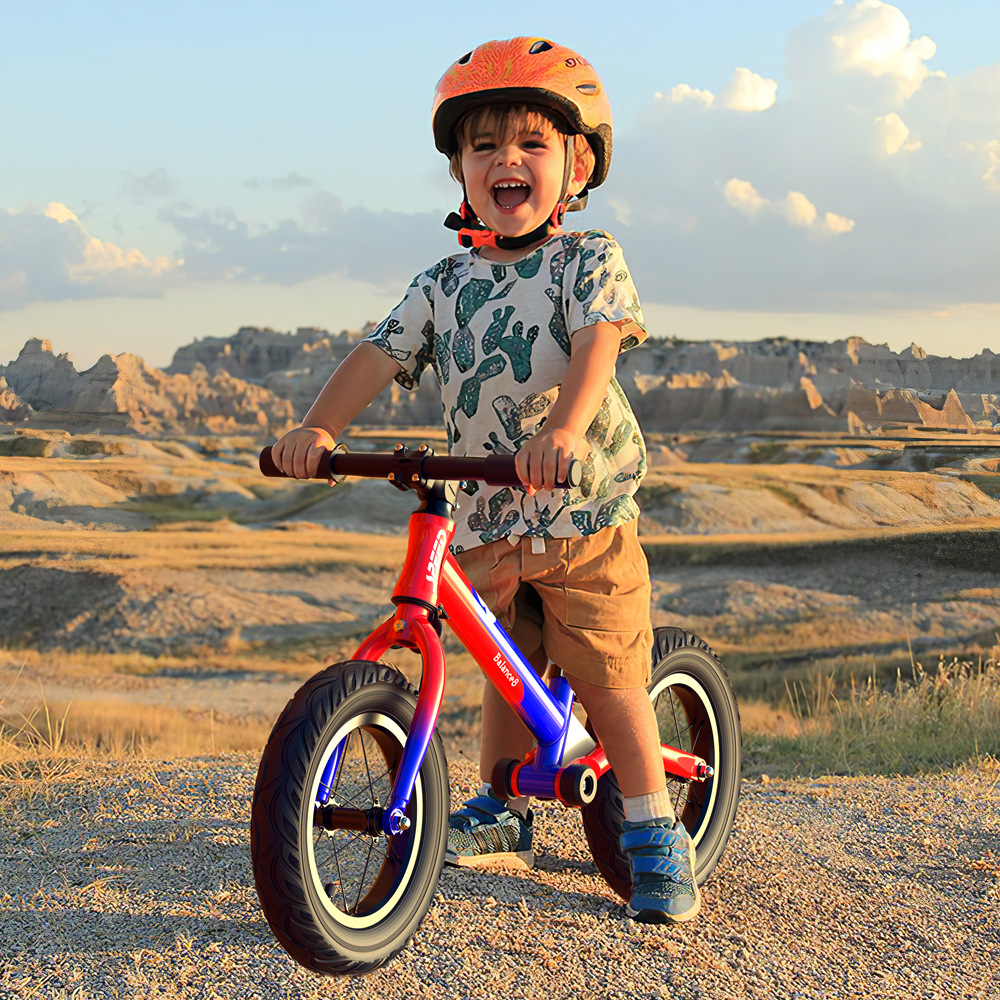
(580, 175)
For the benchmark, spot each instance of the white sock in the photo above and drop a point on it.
(518, 805)
(655, 806)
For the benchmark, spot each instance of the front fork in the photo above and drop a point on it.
(409, 627)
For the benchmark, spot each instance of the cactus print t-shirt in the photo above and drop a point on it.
(498, 337)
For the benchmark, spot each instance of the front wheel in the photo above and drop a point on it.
(339, 900)
(696, 712)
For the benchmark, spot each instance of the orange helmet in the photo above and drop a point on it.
(526, 71)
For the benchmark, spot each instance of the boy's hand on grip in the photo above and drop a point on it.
(544, 459)
(298, 452)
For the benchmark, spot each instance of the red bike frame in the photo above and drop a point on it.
(431, 587)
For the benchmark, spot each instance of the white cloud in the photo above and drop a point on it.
(896, 167)
(48, 255)
(155, 185)
(991, 153)
(874, 37)
(894, 133)
(683, 93)
(795, 208)
(289, 182)
(867, 46)
(385, 248)
(748, 91)
(744, 197)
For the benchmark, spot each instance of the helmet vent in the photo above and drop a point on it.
(465, 59)
(540, 46)
(588, 88)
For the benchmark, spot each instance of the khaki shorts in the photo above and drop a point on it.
(583, 603)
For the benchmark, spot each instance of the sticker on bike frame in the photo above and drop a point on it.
(509, 654)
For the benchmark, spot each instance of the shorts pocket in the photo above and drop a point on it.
(607, 581)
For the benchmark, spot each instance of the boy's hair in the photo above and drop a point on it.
(505, 121)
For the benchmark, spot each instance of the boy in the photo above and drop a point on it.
(523, 332)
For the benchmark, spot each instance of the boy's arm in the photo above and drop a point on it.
(359, 378)
(545, 458)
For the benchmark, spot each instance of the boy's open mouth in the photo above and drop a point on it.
(510, 194)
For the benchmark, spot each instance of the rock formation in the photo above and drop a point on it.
(803, 385)
(122, 393)
(260, 380)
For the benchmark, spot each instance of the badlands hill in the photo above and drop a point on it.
(258, 380)
(121, 393)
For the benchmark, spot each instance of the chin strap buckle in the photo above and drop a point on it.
(473, 234)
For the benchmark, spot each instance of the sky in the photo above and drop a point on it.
(811, 170)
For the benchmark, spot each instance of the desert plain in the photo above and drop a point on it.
(171, 573)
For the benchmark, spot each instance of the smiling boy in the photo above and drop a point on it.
(522, 331)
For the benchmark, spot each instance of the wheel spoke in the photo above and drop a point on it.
(350, 800)
(361, 881)
(673, 712)
(679, 730)
(368, 770)
(340, 879)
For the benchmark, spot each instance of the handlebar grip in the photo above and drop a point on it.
(496, 470)
(500, 470)
(267, 466)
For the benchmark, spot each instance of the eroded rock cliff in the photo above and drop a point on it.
(122, 393)
(261, 380)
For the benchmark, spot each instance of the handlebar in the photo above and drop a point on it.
(404, 466)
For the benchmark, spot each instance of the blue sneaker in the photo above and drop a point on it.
(661, 858)
(485, 833)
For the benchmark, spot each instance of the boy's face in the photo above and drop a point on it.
(513, 183)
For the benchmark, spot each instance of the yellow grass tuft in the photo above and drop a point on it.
(934, 719)
(115, 728)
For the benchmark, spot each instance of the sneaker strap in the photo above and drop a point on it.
(480, 810)
(649, 836)
(658, 864)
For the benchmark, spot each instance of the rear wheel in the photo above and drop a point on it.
(340, 900)
(697, 713)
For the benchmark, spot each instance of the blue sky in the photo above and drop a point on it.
(809, 170)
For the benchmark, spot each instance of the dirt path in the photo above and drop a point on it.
(135, 880)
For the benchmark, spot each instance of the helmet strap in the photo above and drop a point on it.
(472, 234)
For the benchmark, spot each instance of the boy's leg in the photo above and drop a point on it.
(597, 628)
(504, 735)
(661, 855)
(488, 830)
(626, 726)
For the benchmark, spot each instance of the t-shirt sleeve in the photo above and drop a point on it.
(407, 333)
(599, 289)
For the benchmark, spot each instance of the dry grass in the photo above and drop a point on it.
(98, 726)
(934, 719)
(115, 728)
(216, 545)
(928, 722)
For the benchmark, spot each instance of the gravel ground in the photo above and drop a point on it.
(126, 880)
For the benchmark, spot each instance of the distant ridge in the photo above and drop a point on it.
(122, 394)
(260, 381)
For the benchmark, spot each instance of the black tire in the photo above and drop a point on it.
(697, 712)
(339, 901)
